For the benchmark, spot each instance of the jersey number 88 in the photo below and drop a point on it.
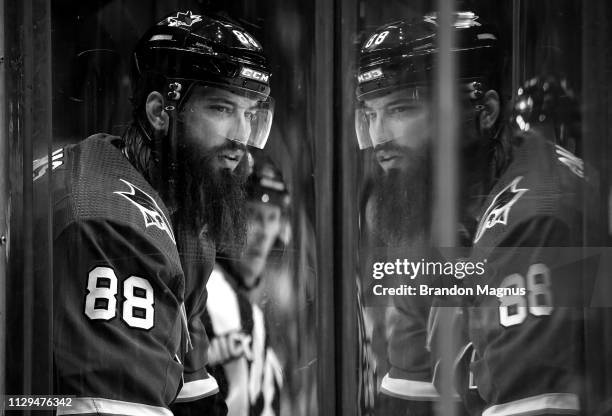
(513, 310)
(101, 301)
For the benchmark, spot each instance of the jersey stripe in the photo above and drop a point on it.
(408, 389)
(557, 403)
(198, 389)
(99, 406)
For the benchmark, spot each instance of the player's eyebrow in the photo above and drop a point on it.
(399, 100)
(235, 102)
(403, 100)
(219, 98)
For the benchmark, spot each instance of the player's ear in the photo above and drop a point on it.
(156, 115)
(490, 113)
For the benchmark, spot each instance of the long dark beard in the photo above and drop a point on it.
(401, 201)
(212, 201)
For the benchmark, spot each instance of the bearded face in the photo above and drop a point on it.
(212, 129)
(212, 199)
(399, 209)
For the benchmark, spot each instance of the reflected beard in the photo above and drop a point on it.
(401, 201)
(214, 199)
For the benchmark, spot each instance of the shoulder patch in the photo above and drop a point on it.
(151, 212)
(571, 161)
(498, 211)
(41, 165)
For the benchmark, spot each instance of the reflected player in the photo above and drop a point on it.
(394, 117)
(518, 189)
(137, 219)
(247, 369)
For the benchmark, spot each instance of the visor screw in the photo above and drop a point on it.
(175, 86)
(173, 95)
(2, 240)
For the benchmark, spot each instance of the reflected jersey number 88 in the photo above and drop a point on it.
(513, 309)
(376, 39)
(101, 301)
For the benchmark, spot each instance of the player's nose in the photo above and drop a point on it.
(378, 131)
(243, 127)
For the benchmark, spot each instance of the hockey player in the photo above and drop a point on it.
(246, 368)
(136, 220)
(394, 117)
(514, 361)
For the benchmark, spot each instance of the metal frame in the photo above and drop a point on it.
(4, 203)
(28, 99)
(446, 186)
(346, 205)
(322, 122)
(596, 102)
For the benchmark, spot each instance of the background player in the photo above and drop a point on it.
(532, 199)
(247, 369)
(137, 217)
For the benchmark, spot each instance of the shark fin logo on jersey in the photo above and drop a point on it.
(40, 166)
(498, 211)
(184, 19)
(152, 213)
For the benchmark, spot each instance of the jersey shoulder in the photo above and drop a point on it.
(93, 181)
(543, 181)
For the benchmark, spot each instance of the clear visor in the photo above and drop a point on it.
(391, 115)
(235, 114)
(379, 119)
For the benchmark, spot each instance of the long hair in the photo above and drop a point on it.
(137, 147)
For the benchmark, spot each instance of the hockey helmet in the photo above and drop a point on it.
(548, 99)
(187, 49)
(403, 55)
(265, 183)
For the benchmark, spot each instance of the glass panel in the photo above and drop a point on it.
(426, 228)
(97, 290)
(511, 206)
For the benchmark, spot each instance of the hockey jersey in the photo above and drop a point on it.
(523, 352)
(412, 365)
(119, 289)
(527, 343)
(247, 369)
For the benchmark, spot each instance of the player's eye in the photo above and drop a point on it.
(401, 109)
(251, 116)
(403, 106)
(221, 108)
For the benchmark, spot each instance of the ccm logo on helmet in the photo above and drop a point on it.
(256, 75)
(370, 75)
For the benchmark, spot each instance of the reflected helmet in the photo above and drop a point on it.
(187, 49)
(403, 55)
(265, 182)
(547, 99)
